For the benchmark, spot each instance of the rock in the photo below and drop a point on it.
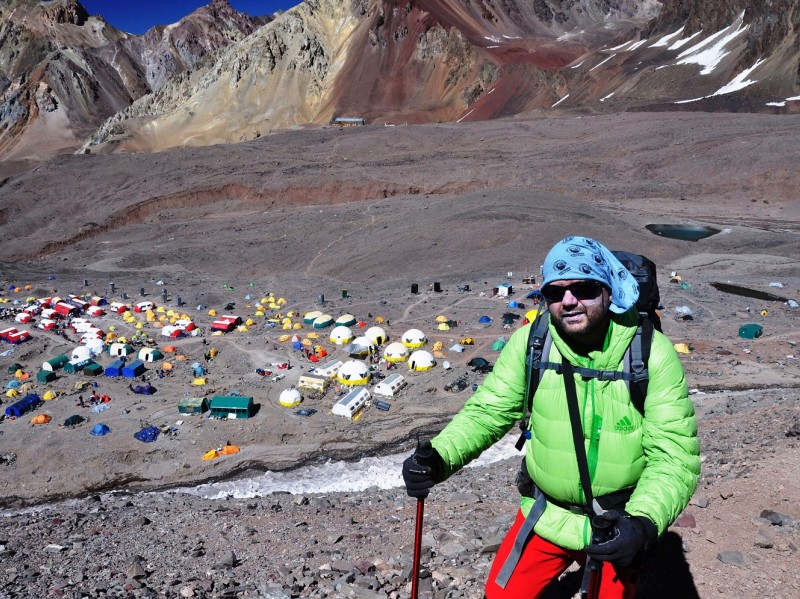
(765, 538)
(776, 518)
(733, 558)
(228, 560)
(187, 592)
(701, 501)
(685, 520)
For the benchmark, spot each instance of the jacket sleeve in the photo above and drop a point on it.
(491, 411)
(669, 441)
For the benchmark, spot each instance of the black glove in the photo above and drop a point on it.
(422, 469)
(625, 538)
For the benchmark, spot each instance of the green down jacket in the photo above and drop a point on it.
(658, 454)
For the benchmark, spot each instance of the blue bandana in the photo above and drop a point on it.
(584, 258)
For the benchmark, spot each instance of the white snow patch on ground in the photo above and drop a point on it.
(636, 45)
(665, 41)
(776, 104)
(559, 102)
(603, 99)
(492, 47)
(615, 48)
(578, 65)
(492, 38)
(739, 82)
(336, 477)
(680, 43)
(793, 99)
(602, 63)
(465, 116)
(710, 52)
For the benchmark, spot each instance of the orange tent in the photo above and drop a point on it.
(41, 419)
(169, 349)
(229, 449)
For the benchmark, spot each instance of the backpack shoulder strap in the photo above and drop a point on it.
(538, 342)
(636, 359)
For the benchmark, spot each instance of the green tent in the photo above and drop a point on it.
(232, 406)
(499, 345)
(14, 367)
(193, 405)
(45, 376)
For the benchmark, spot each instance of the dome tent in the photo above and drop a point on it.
(377, 335)
(290, 397)
(310, 317)
(395, 352)
(421, 360)
(346, 320)
(353, 373)
(100, 430)
(499, 344)
(485, 319)
(323, 321)
(414, 338)
(341, 335)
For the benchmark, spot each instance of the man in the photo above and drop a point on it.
(643, 468)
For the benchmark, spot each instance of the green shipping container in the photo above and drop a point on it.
(231, 406)
(93, 369)
(45, 376)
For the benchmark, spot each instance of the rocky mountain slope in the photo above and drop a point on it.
(63, 72)
(391, 62)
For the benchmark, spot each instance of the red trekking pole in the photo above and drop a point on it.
(417, 548)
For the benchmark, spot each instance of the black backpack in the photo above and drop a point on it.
(636, 356)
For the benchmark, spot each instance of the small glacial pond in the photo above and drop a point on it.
(683, 232)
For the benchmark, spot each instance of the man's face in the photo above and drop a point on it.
(579, 309)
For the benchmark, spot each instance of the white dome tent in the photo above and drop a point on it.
(81, 353)
(377, 335)
(414, 338)
(323, 321)
(421, 360)
(310, 317)
(341, 335)
(290, 398)
(353, 373)
(395, 352)
(346, 320)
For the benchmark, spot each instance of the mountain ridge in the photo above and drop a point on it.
(219, 77)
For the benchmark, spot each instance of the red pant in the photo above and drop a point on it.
(542, 562)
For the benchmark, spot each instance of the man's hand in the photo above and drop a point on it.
(627, 537)
(422, 469)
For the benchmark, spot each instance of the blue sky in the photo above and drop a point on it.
(140, 15)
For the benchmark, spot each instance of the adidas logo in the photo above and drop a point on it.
(624, 425)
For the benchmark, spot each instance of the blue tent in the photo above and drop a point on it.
(26, 404)
(13, 384)
(134, 369)
(100, 430)
(513, 304)
(297, 345)
(536, 293)
(115, 368)
(147, 435)
(484, 320)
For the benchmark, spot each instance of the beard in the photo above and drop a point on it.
(582, 328)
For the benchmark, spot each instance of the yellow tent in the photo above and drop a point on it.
(20, 374)
(284, 338)
(199, 382)
(264, 300)
(286, 327)
(216, 334)
(441, 318)
(307, 342)
(250, 322)
(438, 345)
(213, 352)
(297, 326)
(467, 341)
(166, 366)
(211, 455)
(212, 312)
(181, 357)
(682, 348)
(161, 310)
(113, 327)
(12, 393)
(139, 325)
(380, 319)
(286, 320)
(281, 301)
(438, 354)
(170, 312)
(242, 328)
(48, 395)
(444, 327)
(259, 313)
(313, 335)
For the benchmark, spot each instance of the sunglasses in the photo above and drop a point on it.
(582, 290)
